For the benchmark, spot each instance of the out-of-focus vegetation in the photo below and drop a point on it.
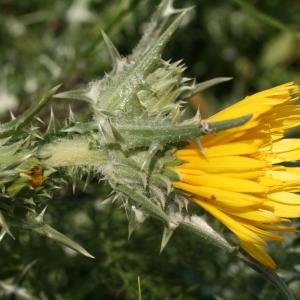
(48, 42)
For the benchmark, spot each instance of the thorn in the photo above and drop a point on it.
(186, 204)
(199, 146)
(40, 217)
(144, 179)
(136, 106)
(106, 128)
(167, 234)
(159, 196)
(166, 181)
(40, 120)
(113, 51)
(169, 9)
(177, 115)
(131, 229)
(51, 126)
(177, 63)
(197, 116)
(71, 114)
(55, 88)
(87, 181)
(2, 234)
(80, 94)
(182, 202)
(51, 113)
(136, 218)
(12, 115)
(5, 226)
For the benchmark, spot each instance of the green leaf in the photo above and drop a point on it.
(48, 231)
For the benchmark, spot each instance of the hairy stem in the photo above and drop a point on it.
(71, 152)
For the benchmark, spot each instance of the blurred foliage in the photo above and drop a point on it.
(48, 42)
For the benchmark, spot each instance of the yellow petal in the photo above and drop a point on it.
(285, 210)
(277, 228)
(285, 145)
(285, 198)
(229, 135)
(268, 181)
(227, 183)
(258, 103)
(219, 196)
(265, 234)
(239, 110)
(257, 215)
(293, 170)
(181, 170)
(243, 175)
(241, 231)
(284, 156)
(285, 175)
(225, 164)
(259, 253)
(238, 148)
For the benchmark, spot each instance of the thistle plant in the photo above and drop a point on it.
(156, 161)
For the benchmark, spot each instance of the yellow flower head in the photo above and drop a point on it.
(239, 179)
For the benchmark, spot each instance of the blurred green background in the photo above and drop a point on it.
(47, 42)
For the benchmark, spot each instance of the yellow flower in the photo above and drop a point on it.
(239, 179)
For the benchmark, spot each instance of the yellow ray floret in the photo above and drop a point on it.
(236, 179)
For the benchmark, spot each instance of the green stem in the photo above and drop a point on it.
(71, 152)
